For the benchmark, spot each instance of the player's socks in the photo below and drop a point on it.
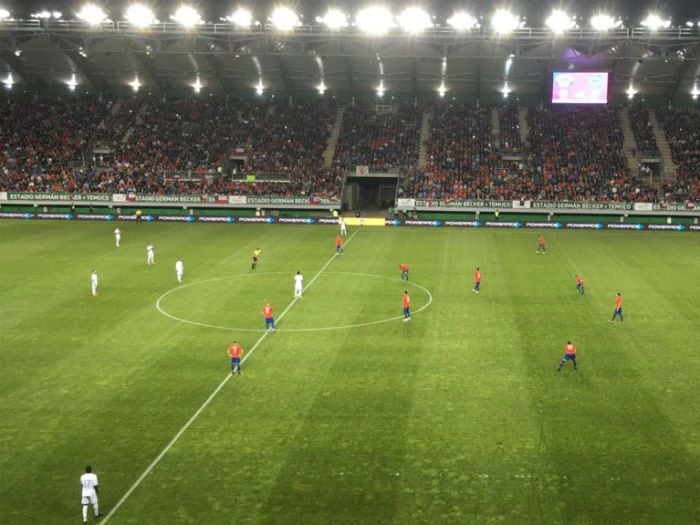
(84, 513)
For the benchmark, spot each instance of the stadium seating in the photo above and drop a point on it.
(643, 132)
(510, 139)
(682, 128)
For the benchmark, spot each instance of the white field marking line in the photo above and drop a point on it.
(180, 432)
(297, 330)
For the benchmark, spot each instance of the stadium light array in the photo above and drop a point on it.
(241, 17)
(259, 87)
(654, 22)
(505, 90)
(140, 15)
(631, 92)
(9, 81)
(560, 22)
(45, 15)
(92, 14)
(322, 87)
(414, 20)
(187, 16)
(442, 89)
(284, 18)
(504, 22)
(334, 19)
(72, 83)
(374, 20)
(605, 22)
(462, 21)
(381, 89)
(695, 92)
(4, 14)
(135, 84)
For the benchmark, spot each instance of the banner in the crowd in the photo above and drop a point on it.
(237, 199)
(59, 197)
(461, 203)
(316, 201)
(542, 205)
(406, 203)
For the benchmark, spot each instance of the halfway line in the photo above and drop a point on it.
(180, 432)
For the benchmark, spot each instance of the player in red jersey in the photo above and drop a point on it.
(266, 311)
(406, 306)
(579, 284)
(618, 308)
(477, 281)
(404, 271)
(569, 355)
(235, 351)
(338, 245)
(541, 246)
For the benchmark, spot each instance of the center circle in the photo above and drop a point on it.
(172, 292)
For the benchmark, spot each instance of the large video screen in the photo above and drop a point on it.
(589, 87)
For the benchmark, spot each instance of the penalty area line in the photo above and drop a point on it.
(204, 405)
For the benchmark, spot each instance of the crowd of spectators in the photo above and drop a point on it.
(643, 131)
(509, 124)
(382, 140)
(682, 128)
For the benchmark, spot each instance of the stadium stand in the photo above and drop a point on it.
(510, 128)
(682, 128)
(643, 131)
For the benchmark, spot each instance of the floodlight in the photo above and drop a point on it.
(335, 19)
(197, 86)
(284, 19)
(631, 92)
(140, 15)
(92, 14)
(72, 83)
(462, 21)
(695, 92)
(442, 89)
(135, 84)
(380, 89)
(504, 22)
(559, 22)
(241, 17)
(604, 22)
(42, 15)
(4, 14)
(9, 81)
(374, 20)
(414, 20)
(654, 22)
(187, 16)
(56, 14)
(505, 90)
(260, 88)
(322, 87)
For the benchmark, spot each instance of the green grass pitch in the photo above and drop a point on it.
(457, 416)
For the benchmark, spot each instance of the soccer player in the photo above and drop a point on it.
(94, 283)
(150, 255)
(298, 284)
(569, 355)
(338, 245)
(343, 228)
(117, 236)
(477, 281)
(579, 284)
(406, 306)
(235, 351)
(88, 484)
(179, 270)
(256, 256)
(404, 271)
(138, 216)
(541, 246)
(618, 308)
(269, 319)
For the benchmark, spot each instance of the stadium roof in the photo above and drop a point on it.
(40, 54)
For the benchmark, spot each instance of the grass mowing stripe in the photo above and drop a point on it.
(204, 405)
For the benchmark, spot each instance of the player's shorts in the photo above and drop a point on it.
(618, 311)
(569, 357)
(255, 259)
(85, 500)
(406, 311)
(235, 360)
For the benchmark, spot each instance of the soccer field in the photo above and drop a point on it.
(347, 414)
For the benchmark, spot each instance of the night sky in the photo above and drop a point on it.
(534, 10)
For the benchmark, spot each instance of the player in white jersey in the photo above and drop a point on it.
(94, 282)
(179, 270)
(343, 227)
(150, 255)
(88, 485)
(117, 236)
(298, 284)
